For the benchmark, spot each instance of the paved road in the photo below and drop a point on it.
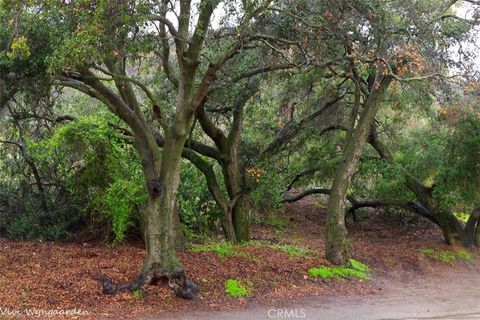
(453, 296)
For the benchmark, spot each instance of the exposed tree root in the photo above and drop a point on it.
(178, 281)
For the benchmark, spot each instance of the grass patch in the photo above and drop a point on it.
(222, 249)
(427, 251)
(359, 266)
(321, 204)
(238, 289)
(137, 294)
(337, 272)
(293, 251)
(445, 256)
(464, 255)
(448, 256)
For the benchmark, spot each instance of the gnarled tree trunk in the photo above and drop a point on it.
(336, 233)
(454, 232)
(162, 173)
(235, 210)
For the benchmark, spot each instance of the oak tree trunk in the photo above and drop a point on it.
(241, 219)
(472, 229)
(235, 188)
(162, 173)
(336, 233)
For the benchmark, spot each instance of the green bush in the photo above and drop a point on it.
(54, 226)
(268, 189)
(121, 200)
(24, 226)
(198, 211)
(100, 169)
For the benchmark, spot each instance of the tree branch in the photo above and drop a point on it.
(196, 146)
(356, 204)
(302, 174)
(288, 133)
(198, 37)
(115, 76)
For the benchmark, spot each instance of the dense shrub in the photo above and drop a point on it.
(268, 189)
(198, 211)
(91, 179)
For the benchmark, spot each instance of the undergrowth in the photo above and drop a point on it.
(293, 251)
(276, 222)
(222, 249)
(358, 270)
(137, 294)
(359, 266)
(236, 288)
(448, 256)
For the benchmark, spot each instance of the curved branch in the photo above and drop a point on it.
(406, 205)
(264, 69)
(163, 20)
(19, 145)
(357, 204)
(314, 191)
(302, 174)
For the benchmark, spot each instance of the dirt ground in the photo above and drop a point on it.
(452, 295)
(42, 277)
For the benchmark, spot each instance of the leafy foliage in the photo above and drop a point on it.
(359, 266)
(268, 190)
(238, 289)
(101, 167)
(199, 213)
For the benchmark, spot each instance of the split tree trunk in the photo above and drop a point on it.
(162, 173)
(235, 210)
(336, 247)
(217, 193)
